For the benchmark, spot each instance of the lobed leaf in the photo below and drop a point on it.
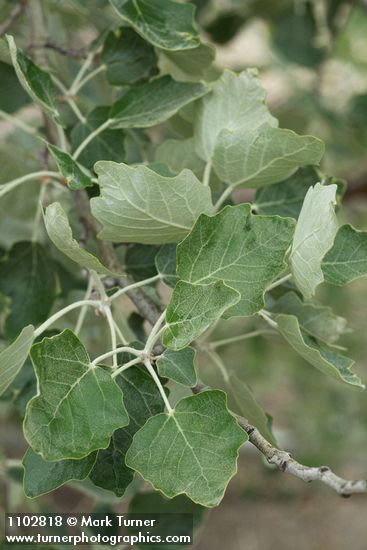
(192, 451)
(193, 308)
(142, 401)
(246, 252)
(178, 366)
(153, 102)
(264, 156)
(316, 320)
(164, 23)
(327, 361)
(236, 102)
(315, 232)
(347, 259)
(129, 58)
(139, 205)
(41, 476)
(78, 406)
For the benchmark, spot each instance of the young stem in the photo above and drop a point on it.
(279, 282)
(219, 363)
(223, 198)
(207, 171)
(155, 377)
(10, 185)
(90, 138)
(62, 312)
(155, 333)
(89, 77)
(266, 316)
(126, 366)
(38, 216)
(111, 325)
(84, 309)
(69, 100)
(133, 285)
(233, 339)
(123, 349)
(119, 334)
(83, 69)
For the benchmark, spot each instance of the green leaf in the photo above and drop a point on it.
(165, 262)
(139, 205)
(27, 277)
(241, 400)
(41, 476)
(235, 103)
(59, 231)
(128, 57)
(142, 400)
(78, 406)
(347, 259)
(192, 451)
(189, 64)
(179, 154)
(36, 82)
(14, 356)
(140, 261)
(178, 366)
(12, 95)
(316, 320)
(286, 197)
(327, 361)
(153, 102)
(193, 308)
(178, 515)
(75, 176)
(246, 252)
(314, 236)
(264, 156)
(163, 23)
(108, 145)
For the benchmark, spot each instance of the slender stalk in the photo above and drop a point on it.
(69, 100)
(207, 172)
(233, 339)
(19, 123)
(223, 198)
(279, 282)
(119, 333)
(111, 325)
(266, 316)
(126, 366)
(83, 69)
(64, 311)
(90, 138)
(10, 185)
(155, 333)
(133, 285)
(87, 78)
(219, 363)
(38, 216)
(84, 309)
(155, 377)
(123, 349)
